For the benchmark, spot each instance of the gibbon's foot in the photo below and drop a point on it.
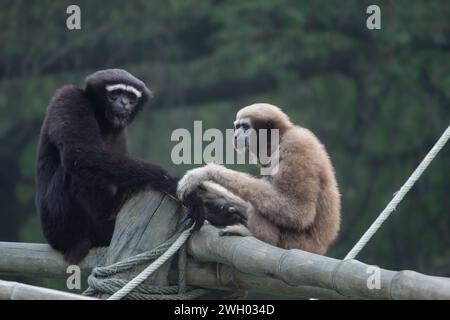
(222, 207)
(235, 230)
(224, 214)
(78, 251)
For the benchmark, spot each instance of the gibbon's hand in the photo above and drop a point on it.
(193, 178)
(196, 212)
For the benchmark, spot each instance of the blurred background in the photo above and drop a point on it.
(378, 99)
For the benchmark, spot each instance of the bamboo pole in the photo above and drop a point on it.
(295, 267)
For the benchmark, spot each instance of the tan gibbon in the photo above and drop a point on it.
(298, 206)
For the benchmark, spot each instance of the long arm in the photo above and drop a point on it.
(294, 210)
(93, 163)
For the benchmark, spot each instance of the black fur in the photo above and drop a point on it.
(219, 209)
(83, 171)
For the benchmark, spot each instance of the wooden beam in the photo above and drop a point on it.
(144, 222)
(226, 263)
(295, 267)
(224, 277)
(40, 260)
(19, 291)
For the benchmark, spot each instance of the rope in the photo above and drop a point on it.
(398, 196)
(103, 280)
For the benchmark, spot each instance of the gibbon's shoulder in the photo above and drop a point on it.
(68, 90)
(299, 138)
(303, 149)
(67, 96)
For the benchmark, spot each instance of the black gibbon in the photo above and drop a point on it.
(298, 206)
(83, 170)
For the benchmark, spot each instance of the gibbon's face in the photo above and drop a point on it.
(245, 136)
(247, 132)
(122, 101)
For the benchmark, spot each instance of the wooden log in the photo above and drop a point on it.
(18, 291)
(295, 267)
(145, 221)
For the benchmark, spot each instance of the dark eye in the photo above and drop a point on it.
(113, 95)
(132, 97)
(245, 126)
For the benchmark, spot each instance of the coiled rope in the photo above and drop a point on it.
(398, 196)
(105, 280)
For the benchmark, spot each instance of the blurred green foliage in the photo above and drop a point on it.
(377, 99)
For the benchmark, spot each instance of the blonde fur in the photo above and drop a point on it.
(300, 207)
